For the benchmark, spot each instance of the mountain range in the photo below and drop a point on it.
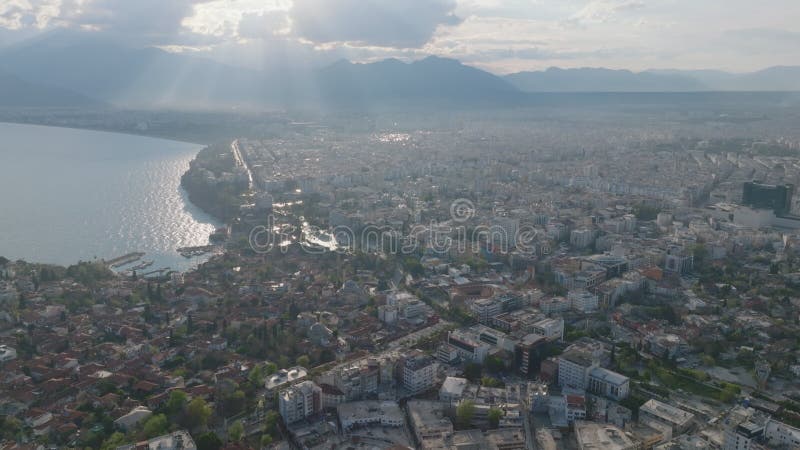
(784, 78)
(18, 93)
(76, 69)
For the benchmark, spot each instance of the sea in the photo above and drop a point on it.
(69, 195)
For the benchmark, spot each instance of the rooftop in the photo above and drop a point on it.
(369, 409)
(601, 436)
(609, 376)
(665, 412)
(284, 376)
(454, 385)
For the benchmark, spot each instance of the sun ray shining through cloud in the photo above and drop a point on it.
(502, 36)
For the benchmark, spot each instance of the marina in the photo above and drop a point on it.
(124, 259)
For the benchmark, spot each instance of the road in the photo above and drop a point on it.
(240, 162)
(527, 418)
(392, 347)
(419, 334)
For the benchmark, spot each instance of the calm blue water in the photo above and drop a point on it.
(69, 195)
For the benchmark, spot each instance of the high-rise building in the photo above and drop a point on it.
(419, 373)
(574, 368)
(299, 401)
(777, 198)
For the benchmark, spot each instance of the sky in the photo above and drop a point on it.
(501, 36)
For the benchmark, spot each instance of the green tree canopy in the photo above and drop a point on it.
(464, 413)
(155, 425)
(197, 413)
(176, 402)
(236, 431)
(494, 415)
(208, 441)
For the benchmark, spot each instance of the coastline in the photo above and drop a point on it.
(190, 218)
(106, 131)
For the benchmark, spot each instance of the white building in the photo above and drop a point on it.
(369, 412)
(452, 389)
(285, 377)
(299, 401)
(485, 308)
(746, 429)
(419, 373)
(609, 383)
(554, 305)
(552, 329)
(582, 238)
(583, 301)
(388, 314)
(468, 347)
(7, 353)
(573, 370)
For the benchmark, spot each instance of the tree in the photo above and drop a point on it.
(494, 364)
(197, 413)
(176, 402)
(464, 413)
(303, 361)
(699, 254)
(271, 423)
(270, 369)
(115, 440)
(236, 431)
(9, 427)
(266, 440)
(155, 425)
(208, 441)
(256, 375)
(494, 415)
(646, 212)
(491, 382)
(473, 371)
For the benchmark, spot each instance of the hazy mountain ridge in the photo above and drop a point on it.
(429, 79)
(785, 78)
(150, 77)
(18, 93)
(128, 76)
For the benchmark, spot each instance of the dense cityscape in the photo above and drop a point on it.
(399, 225)
(442, 286)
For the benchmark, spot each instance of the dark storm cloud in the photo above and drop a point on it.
(383, 23)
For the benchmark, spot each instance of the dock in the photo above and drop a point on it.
(124, 259)
(188, 252)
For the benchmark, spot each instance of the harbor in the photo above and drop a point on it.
(125, 259)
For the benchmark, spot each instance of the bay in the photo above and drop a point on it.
(68, 195)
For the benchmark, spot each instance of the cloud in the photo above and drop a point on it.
(264, 25)
(20, 14)
(602, 11)
(502, 35)
(384, 23)
(140, 21)
(765, 36)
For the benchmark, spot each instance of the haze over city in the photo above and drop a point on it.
(416, 224)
